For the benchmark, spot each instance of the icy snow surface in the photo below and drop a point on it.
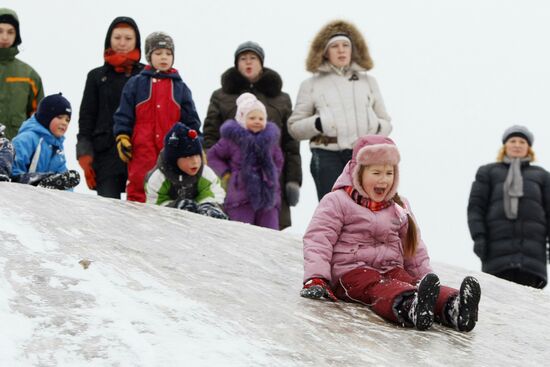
(170, 288)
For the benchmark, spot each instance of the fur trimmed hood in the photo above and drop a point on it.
(360, 53)
(270, 82)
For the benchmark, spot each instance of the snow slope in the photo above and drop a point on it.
(170, 288)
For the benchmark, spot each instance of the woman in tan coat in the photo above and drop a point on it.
(339, 103)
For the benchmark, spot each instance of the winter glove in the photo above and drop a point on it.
(318, 124)
(60, 181)
(211, 210)
(292, 190)
(480, 249)
(317, 288)
(225, 180)
(85, 162)
(124, 147)
(186, 204)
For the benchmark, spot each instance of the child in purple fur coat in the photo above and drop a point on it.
(249, 160)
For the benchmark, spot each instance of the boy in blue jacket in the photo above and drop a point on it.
(39, 156)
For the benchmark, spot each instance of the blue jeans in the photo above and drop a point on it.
(326, 166)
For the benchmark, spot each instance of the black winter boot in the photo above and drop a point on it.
(61, 181)
(419, 308)
(461, 311)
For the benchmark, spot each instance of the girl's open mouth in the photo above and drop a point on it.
(379, 190)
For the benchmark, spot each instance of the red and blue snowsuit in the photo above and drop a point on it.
(151, 103)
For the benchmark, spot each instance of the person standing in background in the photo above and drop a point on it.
(250, 75)
(339, 103)
(96, 148)
(20, 85)
(509, 212)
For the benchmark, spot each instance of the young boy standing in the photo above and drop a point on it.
(39, 156)
(151, 103)
(181, 180)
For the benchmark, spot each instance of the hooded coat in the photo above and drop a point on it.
(100, 101)
(511, 244)
(344, 235)
(21, 87)
(268, 89)
(254, 161)
(349, 105)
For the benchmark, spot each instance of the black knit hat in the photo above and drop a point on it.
(180, 142)
(10, 17)
(252, 47)
(51, 107)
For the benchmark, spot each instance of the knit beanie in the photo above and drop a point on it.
(10, 17)
(157, 40)
(250, 46)
(374, 149)
(51, 107)
(179, 142)
(246, 103)
(520, 131)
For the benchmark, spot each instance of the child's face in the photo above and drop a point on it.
(190, 165)
(250, 66)
(7, 35)
(516, 147)
(59, 125)
(123, 40)
(377, 181)
(339, 53)
(255, 121)
(162, 59)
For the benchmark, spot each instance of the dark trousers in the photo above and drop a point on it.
(325, 168)
(380, 291)
(521, 277)
(112, 186)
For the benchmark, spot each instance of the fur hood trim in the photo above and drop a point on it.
(270, 83)
(360, 53)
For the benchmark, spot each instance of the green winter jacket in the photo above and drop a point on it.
(20, 90)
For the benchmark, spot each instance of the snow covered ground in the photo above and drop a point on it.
(88, 281)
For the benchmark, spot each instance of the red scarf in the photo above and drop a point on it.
(366, 202)
(123, 63)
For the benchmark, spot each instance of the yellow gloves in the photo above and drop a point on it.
(124, 147)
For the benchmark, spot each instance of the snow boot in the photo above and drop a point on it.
(61, 181)
(461, 310)
(419, 308)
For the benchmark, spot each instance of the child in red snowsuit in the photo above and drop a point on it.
(151, 103)
(363, 241)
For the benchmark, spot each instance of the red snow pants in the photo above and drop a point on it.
(379, 291)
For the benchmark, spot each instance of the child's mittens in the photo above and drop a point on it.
(186, 204)
(211, 210)
(292, 190)
(316, 288)
(225, 180)
(85, 162)
(124, 147)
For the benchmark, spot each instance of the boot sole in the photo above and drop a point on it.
(470, 295)
(428, 291)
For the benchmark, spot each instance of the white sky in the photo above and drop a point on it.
(453, 75)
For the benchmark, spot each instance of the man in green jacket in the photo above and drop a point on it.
(20, 85)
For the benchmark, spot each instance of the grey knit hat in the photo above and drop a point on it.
(518, 130)
(252, 47)
(157, 40)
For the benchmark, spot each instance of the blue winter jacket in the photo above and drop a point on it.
(31, 135)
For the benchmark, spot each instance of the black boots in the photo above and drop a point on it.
(461, 311)
(418, 309)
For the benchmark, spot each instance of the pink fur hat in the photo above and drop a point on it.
(246, 103)
(374, 149)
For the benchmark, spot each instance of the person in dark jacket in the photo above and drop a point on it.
(509, 212)
(96, 149)
(250, 75)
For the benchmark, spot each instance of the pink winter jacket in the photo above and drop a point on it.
(343, 236)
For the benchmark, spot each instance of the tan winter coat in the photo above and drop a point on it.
(348, 104)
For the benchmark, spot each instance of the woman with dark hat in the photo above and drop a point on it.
(96, 148)
(20, 85)
(509, 212)
(250, 75)
(340, 103)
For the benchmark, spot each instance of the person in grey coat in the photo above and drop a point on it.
(509, 212)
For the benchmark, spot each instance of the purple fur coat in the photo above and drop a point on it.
(255, 162)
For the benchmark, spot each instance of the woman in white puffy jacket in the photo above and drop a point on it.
(339, 103)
